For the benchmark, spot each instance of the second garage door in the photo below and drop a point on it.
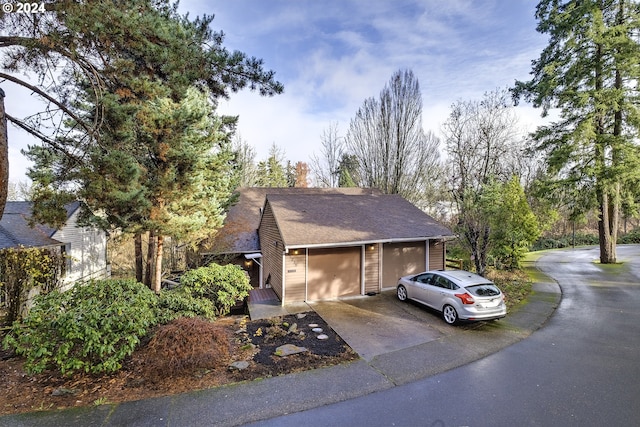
(333, 273)
(401, 259)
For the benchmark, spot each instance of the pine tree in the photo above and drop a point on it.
(589, 71)
(117, 52)
(159, 159)
(271, 172)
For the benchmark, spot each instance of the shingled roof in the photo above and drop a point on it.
(335, 219)
(15, 230)
(239, 233)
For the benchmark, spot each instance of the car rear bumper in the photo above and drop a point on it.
(473, 313)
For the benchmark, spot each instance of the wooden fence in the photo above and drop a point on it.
(453, 263)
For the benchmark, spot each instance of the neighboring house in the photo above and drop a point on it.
(85, 247)
(315, 244)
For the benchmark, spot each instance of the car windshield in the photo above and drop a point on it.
(484, 290)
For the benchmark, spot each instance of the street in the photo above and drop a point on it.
(581, 368)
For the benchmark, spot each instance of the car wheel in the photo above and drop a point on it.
(449, 314)
(402, 293)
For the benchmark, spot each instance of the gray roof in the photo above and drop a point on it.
(16, 231)
(239, 233)
(330, 219)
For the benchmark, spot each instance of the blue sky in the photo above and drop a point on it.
(333, 54)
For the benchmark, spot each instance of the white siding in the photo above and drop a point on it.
(87, 249)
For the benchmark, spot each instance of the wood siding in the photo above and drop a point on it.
(272, 249)
(436, 255)
(372, 268)
(87, 251)
(295, 275)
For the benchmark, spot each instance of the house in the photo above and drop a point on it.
(237, 242)
(315, 244)
(85, 247)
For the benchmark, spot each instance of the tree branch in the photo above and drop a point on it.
(43, 138)
(49, 98)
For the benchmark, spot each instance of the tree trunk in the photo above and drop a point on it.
(150, 267)
(608, 210)
(606, 234)
(157, 282)
(4, 156)
(137, 240)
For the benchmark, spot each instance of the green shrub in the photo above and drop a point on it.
(176, 303)
(565, 241)
(222, 284)
(89, 328)
(22, 269)
(633, 237)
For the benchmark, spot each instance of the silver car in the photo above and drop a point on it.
(458, 294)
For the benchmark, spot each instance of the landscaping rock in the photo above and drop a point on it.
(317, 330)
(289, 349)
(63, 392)
(239, 365)
(301, 315)
(293, 328)
(323, 337)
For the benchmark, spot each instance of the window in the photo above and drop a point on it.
(423, 278)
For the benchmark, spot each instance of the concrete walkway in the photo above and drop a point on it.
(438, 347)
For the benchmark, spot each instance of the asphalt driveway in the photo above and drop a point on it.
(379, 324)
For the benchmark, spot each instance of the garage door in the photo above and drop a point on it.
(401, 259)
(333, 273)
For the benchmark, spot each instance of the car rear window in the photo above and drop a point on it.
(484, 290)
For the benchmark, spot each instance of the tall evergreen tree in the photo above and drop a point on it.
(107, 46)
(272, 172)
(590, 71)
(154, 158)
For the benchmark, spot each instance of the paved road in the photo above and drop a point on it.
(582, 368)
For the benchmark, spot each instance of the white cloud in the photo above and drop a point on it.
(331, 55)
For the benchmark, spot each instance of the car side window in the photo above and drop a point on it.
(423, 278)
(443, 282)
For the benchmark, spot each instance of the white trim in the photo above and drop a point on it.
(380, 249)
(306, 273)
(363, 263)
(254, 257)
(362, 242)
(282, 285)
(426, 255)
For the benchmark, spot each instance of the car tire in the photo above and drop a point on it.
(449, 314)
(402, 293)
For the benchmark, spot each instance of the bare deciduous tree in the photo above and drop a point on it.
(326, 166)
(245, 168)
(393, 151)
(483, 143)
